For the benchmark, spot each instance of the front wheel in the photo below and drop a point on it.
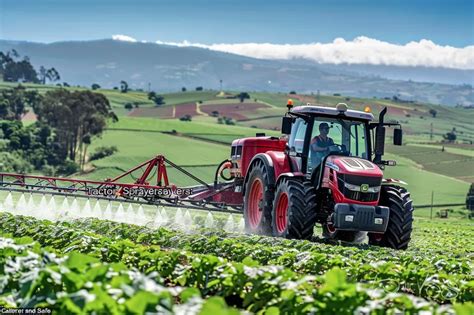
(294, 213)
(398, 233)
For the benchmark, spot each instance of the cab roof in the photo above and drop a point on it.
(332, 111)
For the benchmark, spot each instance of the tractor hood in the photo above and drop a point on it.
(352, 165)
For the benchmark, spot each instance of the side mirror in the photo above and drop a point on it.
(286, 125)
(379, 140)
(397, 136)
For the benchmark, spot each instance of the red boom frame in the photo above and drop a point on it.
(219, 195)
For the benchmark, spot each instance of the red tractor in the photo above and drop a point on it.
(325, 170)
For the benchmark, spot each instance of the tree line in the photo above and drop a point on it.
(14, 68)
(57, 143)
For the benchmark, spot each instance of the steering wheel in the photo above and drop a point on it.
(335, 148)
(338, 148)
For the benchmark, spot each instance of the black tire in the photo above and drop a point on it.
(399, 228)
(298, 221)
(346, 236)
(259, 173)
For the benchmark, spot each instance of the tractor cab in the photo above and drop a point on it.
(316, 132)
(325, 131)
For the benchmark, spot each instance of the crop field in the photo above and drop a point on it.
(80, 255)
(460, 166)
(118, 267)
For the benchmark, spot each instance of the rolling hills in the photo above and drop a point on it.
(201, 144)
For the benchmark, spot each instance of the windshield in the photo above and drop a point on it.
(343, 136)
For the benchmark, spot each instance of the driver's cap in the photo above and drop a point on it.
(323, 125)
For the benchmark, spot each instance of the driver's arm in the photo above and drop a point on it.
(316, 148)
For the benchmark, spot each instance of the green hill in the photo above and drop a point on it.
(199, 145)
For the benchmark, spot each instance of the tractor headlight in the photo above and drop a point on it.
(365, 189)
(352, 187)
(375, 189)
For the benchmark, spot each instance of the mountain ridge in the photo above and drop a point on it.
(168, 68)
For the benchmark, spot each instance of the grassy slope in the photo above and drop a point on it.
(183, 127)
(135, 147)
(138, 146)
(422, 183)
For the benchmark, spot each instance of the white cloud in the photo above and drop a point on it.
(124, 38)
(361, 50)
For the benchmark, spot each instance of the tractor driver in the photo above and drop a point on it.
(320, 145)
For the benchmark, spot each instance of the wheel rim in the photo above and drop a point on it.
(330, 227)
(377, 236)
(281, 212)
(255, 203)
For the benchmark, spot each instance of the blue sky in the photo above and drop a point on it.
(230, 21)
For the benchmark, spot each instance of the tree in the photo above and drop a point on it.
(42, 75)
(433, 112)
(128, 106)
(53, 75)
(13, 102)
(242, 96)
(21, 71)
(102, 152)
(151, 95)
(183, 89)
(450, 136)
(186, 118)
(199, 88)
(77, 116)
(95, 86)
(123, 86)
(292, 92)
(34, 146)
(157, 99)
(15, 71)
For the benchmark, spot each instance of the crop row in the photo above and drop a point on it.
(32, 277)
(438, 276)
(245, 285)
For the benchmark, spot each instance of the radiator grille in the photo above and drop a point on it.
(358, 180)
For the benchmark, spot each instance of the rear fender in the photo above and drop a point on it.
(275, 162)
(295, 175)
(267, 161)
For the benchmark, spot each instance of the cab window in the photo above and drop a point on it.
(298, 132)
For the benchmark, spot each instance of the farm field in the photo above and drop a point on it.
(197, 146)
(138, 146)
(231, 272)
(415, 117)
(422, 183)
(82, 255)
(452, 163)
(417, 164)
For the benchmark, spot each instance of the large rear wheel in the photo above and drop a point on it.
(294, 214)
(258, 201)
(398, 233)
